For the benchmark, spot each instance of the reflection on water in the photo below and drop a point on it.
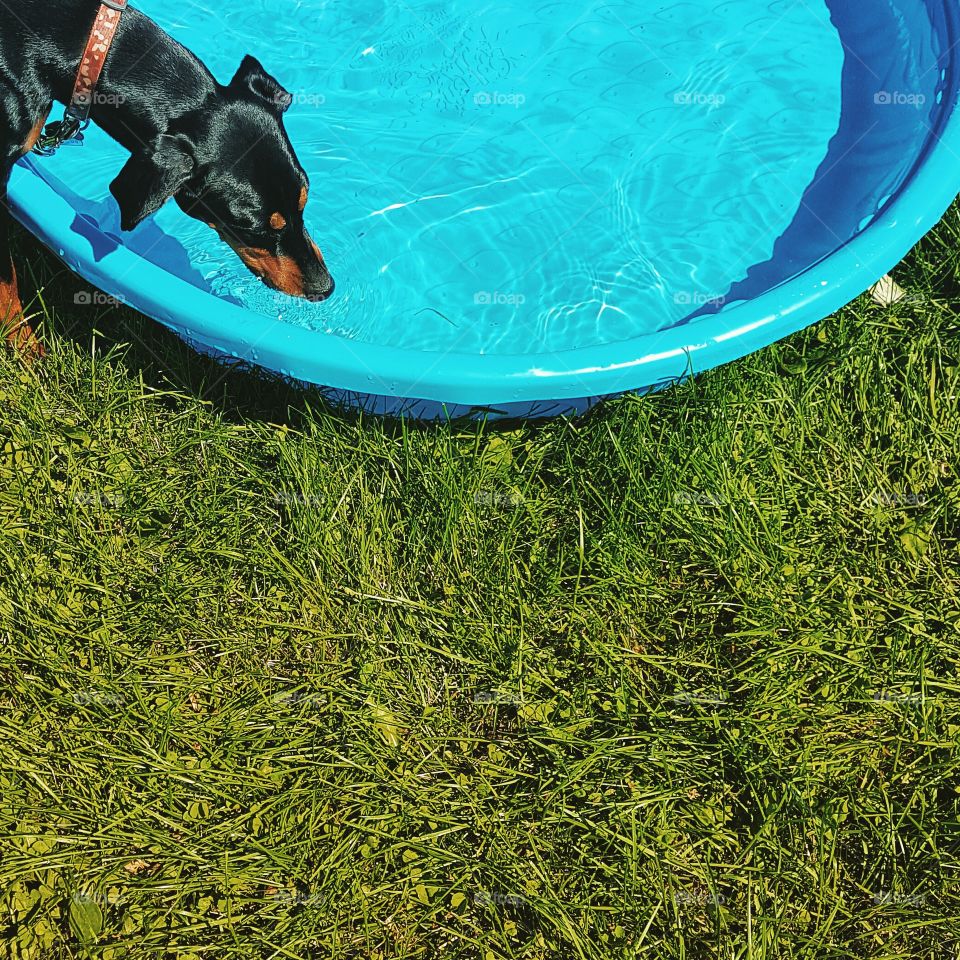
(508, 178)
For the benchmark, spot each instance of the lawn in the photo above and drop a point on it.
(677, 679)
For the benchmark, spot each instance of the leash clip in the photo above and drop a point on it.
(76, 117)
(67, 132)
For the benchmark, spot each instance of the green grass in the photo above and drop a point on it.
(678, 679)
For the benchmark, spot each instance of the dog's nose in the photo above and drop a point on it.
(322, 291)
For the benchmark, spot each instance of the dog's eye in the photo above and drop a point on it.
(278, 221)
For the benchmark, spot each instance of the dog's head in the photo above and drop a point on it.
(232, 166)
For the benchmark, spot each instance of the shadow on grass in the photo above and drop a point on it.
(238, 391)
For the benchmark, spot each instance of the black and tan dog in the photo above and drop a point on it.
(220, 151)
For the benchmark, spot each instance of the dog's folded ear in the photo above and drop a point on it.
(252, 78)
(150, 178)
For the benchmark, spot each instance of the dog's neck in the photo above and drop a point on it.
(149, 81)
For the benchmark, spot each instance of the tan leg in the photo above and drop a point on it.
(13, 326)
(16, 330)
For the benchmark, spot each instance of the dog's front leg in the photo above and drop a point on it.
(13, 325)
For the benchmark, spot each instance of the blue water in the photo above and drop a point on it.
(509, 177)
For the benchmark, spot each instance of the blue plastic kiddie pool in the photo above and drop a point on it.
(525, 206)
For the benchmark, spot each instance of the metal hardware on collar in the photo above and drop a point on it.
(60, 133)
(76, 117)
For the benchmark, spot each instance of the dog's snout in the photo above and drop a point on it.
(318, 281)
(299, 271)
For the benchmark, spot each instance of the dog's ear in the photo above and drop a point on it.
(150, 178)
(252, 78)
